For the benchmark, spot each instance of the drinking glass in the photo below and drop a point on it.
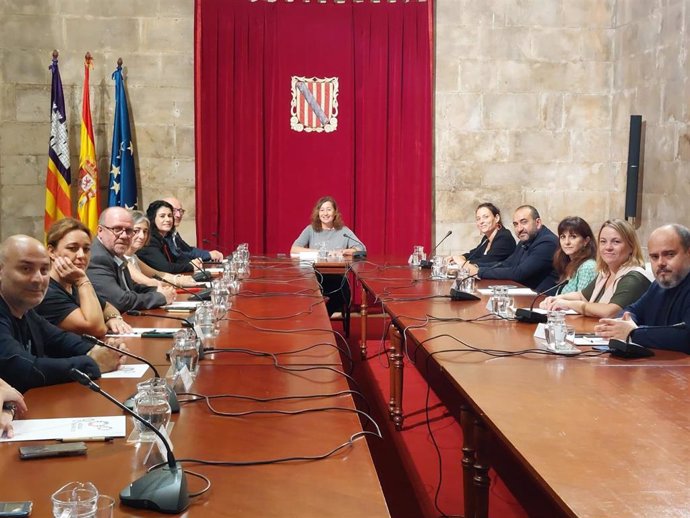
(76, 499)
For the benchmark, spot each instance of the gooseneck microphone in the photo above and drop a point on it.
(95, 341)
(426, 263)
(201, 296)
(137, 313)
(163, 489)
(172, 396)
(627, 349)
(357, 254)
(530, 316)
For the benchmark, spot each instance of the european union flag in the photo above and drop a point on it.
(122, 189)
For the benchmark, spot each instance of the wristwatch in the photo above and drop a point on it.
(10, 407)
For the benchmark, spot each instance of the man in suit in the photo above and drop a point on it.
(531, 263)
(179, 247)
(34, 352)
(108, 267)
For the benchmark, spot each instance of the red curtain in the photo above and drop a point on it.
(256, 178)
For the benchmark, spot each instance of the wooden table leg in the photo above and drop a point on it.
(467, 419)
(363, 324)
(395, 357)
(481, 470)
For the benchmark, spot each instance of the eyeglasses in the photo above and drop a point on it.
(118, 231)
(179, 211)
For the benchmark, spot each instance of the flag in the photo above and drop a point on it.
(58, 178)
(87, 206)
(122, 189)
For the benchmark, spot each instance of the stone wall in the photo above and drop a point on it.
(523, 111)
(533, 99)
(533, 105)
(651, 79)
(155, 41)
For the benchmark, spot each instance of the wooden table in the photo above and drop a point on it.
(343, 485)
(596, 436)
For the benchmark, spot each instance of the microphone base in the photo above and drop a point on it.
(203, 295)
(202, 276)
(163, 489)
(425, 264)
(462, 295)
(623, 349)
(530, 317)
(358, 255)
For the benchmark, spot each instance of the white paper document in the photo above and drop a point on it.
(190, 305)
(136, 370)
(512, 291)
(545, 311)
(68, 428)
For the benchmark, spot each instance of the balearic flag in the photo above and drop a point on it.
(122, 190)
(87, 206)
(58, 178)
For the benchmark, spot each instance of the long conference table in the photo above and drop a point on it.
(280, 314)
(591, 435)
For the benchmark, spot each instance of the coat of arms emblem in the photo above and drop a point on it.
(314, 105)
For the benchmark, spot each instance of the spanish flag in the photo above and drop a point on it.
(88, 206)
(58, 179)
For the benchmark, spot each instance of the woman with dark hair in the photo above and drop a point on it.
(497, 242)
(157, 252)
(621, 278)
(327, 229)
(71, 303)
(574, 260)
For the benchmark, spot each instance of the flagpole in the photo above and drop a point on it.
(88, 206)
(122, 188)
(58, 203)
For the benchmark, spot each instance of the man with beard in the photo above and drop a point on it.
(666, 302)
(531, 263)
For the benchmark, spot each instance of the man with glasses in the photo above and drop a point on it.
(108, 270)
(178, 247)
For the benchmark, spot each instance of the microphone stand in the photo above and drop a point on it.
(172, 396)
(201, 296)
(530, 316)
(202, 275)
(163, 489)
(357, 254)
(426, 264)
(137, 313)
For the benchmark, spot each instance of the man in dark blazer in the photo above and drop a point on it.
(108, 271)
(531, 263)
(34, 352)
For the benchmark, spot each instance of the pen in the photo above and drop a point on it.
(179, 310)
(87, 439)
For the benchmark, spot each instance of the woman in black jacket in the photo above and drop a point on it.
(157, 252)
(497, 242)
